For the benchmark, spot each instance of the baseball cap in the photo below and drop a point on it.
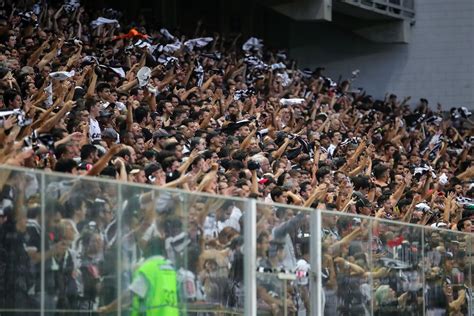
(109, 133)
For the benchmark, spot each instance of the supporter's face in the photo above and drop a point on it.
(158, 122)
(140, 95)
(235, 144)
(46, 71)
(11, 41)
(400, 169)
(160, 177)
(316, 124)
(201, 145)
(136, 129)
(327, 178)
(16, 103)
(282, 198)
(336, 125)
(414, 159)
(123, 99)
(307, 191)
(233, 110)
(133, 155)
(140, 177)
(265, 165)
(32, 88)
(285, 115)
(324, 142)
(13, 63)
(263, 246)
(95, 244)
(365, 211)
(29, 42)
(399, 179)
(390, 151)
(169, 108)
(193, 126)
(105, 94)
(337, 138)
(140, 145)
(458, 189)
(179, 151)
(84, 116)
(222, 186)
(95, 109)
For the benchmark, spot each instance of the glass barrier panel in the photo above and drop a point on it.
(283, 259)
(346, 264)
(397, 272)
(447, 272)
(20, 242)
(79, 266)
(469, 281)
(211, 272)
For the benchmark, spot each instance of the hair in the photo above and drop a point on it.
(102, 86)
(65, 165)
(460, 224)
(90, 102)
(72, 204)
(9, 95)
(322, 172)
(379, 170)
(124, 152)
(140, 114)
(276, 193)
(361, 182)
(87, 150)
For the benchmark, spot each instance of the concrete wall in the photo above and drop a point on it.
(437, 64)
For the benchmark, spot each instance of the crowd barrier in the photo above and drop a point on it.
(75, 243)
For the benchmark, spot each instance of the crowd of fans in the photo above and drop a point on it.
(88, 93)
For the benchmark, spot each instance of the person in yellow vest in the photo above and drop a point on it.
(154, 290)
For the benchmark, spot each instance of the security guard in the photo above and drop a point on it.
(153, 291)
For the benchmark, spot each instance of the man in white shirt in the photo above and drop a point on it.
(93, 106)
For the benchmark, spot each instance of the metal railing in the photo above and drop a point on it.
(232, 256)
(403, 9)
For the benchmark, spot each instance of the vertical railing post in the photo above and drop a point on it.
(316, 289)
(423, 270)
(43, 244)
(119, 248)
(250, 251)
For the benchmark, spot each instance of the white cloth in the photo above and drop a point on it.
(252, 43)
(278, 66)
(62, 75)
(119, 71)
(101, 21)
(291, 101)
(167, 34)
(170, 48)
(197, 42)
(331, 149)
(49, 90)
